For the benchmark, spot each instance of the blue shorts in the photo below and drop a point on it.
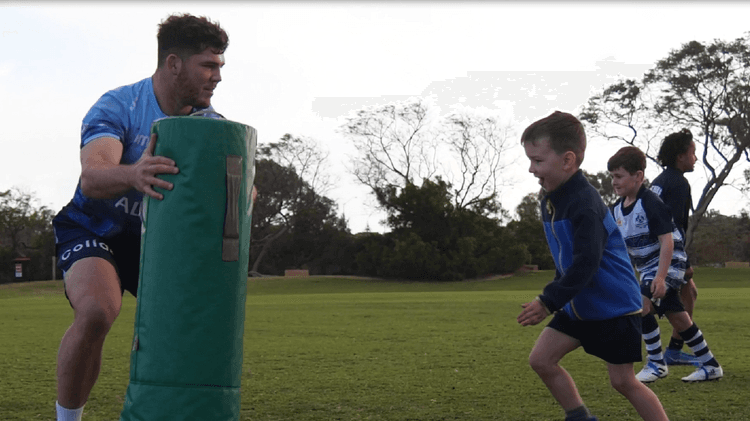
(73, 243)
(616, 341)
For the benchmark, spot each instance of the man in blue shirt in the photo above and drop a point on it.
(98, 233)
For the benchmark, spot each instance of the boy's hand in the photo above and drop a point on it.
(658, 288)
(533, 313)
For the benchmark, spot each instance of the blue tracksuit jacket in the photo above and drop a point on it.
(594, 279)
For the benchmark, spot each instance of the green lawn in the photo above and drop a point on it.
(351, 349)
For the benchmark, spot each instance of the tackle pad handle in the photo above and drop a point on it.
(230, 249)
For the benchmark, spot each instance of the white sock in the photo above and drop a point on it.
(65, 414)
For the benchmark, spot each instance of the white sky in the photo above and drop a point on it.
(300, 67)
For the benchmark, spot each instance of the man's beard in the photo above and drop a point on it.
(188, 93)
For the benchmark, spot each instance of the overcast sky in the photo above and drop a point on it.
(301, 67)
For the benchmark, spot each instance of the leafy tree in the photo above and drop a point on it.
(273, 207)
(25, 230)
(318, 239)
(720, 239)
(602, 182)
(432, 239)
(294, 225)
(528, 230)
(701, 86)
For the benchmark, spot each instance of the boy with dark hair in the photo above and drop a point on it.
(677, 156)
(594, 296)
(656, 249)
(97, 235)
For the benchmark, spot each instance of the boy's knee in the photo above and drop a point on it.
(539, 365)
(621, 384)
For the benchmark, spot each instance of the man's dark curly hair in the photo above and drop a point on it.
(186, 35)
(673, 146)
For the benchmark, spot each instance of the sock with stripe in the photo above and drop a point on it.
(652, 338)
(694, 339)
(675, 344)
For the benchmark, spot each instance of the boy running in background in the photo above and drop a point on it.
(595, 296)
(677, 156)
(656, 249)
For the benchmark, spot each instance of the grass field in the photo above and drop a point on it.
(353, 349)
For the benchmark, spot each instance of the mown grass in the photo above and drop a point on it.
(353, 349)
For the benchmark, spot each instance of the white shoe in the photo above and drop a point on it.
(652, 372)
(704, 373)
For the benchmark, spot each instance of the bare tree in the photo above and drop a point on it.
(305, 156)
(478, 145)
(394, 144)
(403, 143)
(291, 174)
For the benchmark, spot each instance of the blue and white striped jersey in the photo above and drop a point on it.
(641, 224)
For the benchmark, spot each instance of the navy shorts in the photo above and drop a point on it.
(670, 303)
(616, 341)
(122, 251)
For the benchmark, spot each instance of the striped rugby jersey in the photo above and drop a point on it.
(641, 224)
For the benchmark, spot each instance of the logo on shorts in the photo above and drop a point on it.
(88, 244)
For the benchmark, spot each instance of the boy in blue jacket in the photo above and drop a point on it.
(657, 250)
(595, 297)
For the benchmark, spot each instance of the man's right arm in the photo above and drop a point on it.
(103, 177)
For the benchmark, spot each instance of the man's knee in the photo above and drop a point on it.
(93, 288)
(95, 317)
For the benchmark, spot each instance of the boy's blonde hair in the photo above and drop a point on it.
(564, 132)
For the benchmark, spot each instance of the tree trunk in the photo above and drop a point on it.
(708, 195)
(266, 246)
